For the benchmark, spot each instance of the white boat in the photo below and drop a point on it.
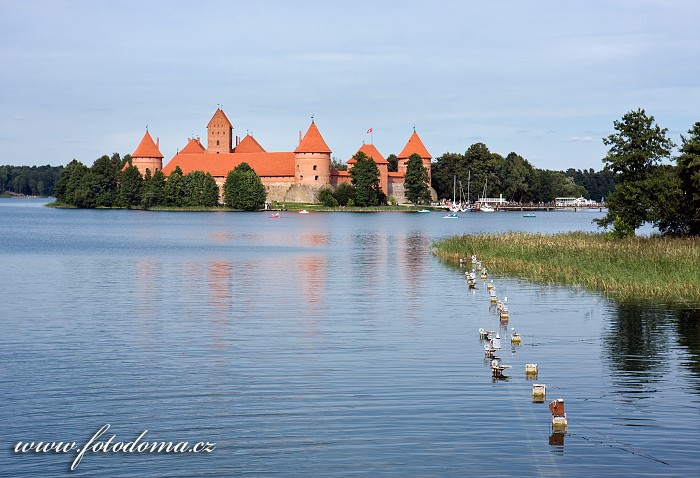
(424, 210)
(303, 211)
(450, 216)
(486, 208)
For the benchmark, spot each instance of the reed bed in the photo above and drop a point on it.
(656, 267)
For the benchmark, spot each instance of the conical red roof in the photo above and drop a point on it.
(219, 117)
(371, 151)
(414, 145)
(147, 148)
(313, 142)
(248, 145)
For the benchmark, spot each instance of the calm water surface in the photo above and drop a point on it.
(322, 345)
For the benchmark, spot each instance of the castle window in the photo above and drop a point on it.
(315, 177)
(314, 167)
(301, 176)
(217, 142)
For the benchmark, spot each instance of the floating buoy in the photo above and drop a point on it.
(504, 312)
(559, 422)
(489, 351)
(539, 392)
(531, 370)
(515, 338)
(496, 342)
(490, 285)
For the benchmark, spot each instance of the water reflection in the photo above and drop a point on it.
(688, 327)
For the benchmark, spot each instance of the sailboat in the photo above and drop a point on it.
(465, 207)
(454, 207)
(485, 207)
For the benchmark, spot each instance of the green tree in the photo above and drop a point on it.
(174, 191)
(685, 216)
(200, 190)
(69, 182)
(325, 197)
(130, 186)
(243, 189)
(153, 192)
(344, 193)
(636, 150)
(515, 177)
(393, 163)
(338, 165)
(416, 180)
(365, 178)
(103, 180)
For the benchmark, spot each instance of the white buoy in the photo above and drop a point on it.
(496, 342)
(539, 392)
(514, 337)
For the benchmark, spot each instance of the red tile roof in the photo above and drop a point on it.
(248, 145)
(414, 145)
(371, 151)
(193, 146)
(313, 142)
(220, 116)
(219, 165)
(147, 148)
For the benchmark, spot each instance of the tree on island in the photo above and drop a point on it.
(69, 181)
(200, 190)
(174, 190)
(243, 189)
(636, 151)
(153, 191)
(365, 178)
(416, 180)
(130, 185)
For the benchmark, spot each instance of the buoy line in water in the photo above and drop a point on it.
(611, 442)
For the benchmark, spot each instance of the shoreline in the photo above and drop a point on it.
(638, 268)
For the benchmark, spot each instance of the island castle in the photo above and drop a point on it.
(287, 176)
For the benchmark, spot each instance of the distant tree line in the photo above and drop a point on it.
(479, 172)
(114, 182)
(29, 180)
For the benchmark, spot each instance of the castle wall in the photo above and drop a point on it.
(312, 169)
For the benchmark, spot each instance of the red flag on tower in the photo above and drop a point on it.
(369, 130)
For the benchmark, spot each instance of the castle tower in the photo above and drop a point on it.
(147, 155)
(382, 164)
(219, 133)
(312, 160)
(414, 145)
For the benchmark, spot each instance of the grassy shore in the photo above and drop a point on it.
(658, 268)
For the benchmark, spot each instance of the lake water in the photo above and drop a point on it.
(322, 345)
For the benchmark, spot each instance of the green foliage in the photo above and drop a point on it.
(30, 180)
(153, 192)
(174, 190)
(325, 197)
(200, 190)
(344, 193)
(130, 186)
(393, 163)
(243, 189)
(338, 165)
(598, 184)
(516, 175)
(365, 178)
(634, 156)
(69, 182)
(638, 145)
(688, 163)
(102, 183)
(416, 181)
(351, 202)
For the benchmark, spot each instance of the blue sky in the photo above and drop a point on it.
(545, 79)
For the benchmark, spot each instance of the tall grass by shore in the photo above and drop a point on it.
(654, 267)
